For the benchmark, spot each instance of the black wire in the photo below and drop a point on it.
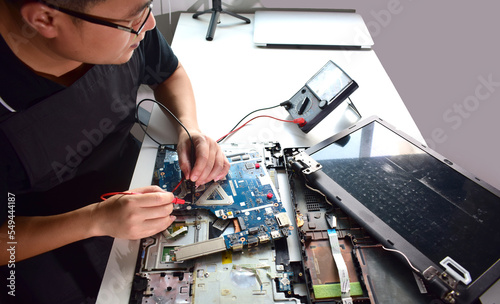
(142, 127)
(262, 109)
(193, 152)
(285, 104)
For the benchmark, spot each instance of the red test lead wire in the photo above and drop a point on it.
(300, 121)
(106, 195)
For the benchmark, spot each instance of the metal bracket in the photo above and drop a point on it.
(308, 164)
(432, 272)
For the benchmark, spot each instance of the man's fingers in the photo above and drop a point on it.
(148, 213)
(149, 199)
(147, 189)
(202, 160)
(210, 163)
(184, 162)
(225, 169)
(205, 169)
(153, 226)
(219, 169)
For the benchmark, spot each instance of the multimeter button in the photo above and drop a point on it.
(322, 103)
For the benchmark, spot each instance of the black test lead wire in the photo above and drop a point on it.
(262, 109)
(193, 148)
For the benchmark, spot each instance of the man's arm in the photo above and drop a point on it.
(176, 93)
(132, 216)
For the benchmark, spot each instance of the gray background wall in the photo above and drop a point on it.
(442, 57)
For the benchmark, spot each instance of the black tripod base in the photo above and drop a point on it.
(215, 20)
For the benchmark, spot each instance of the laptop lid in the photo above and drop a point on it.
(311, 28)
(437, 217)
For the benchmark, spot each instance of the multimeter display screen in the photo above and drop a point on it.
(329, 82)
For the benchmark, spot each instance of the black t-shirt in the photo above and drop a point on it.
(21, 89)
(71, 274)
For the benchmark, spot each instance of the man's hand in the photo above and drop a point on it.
(134, 216)
(176, 93)
(211, 163)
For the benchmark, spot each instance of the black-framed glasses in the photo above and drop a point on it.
(103, 21)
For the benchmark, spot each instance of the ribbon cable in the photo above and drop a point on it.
(345, 284)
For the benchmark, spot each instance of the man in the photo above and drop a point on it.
(69, 76)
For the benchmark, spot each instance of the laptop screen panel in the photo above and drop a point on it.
(434, 207)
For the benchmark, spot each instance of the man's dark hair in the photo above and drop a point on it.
(77, 5)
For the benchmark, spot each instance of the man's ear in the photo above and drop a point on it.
(41, 18)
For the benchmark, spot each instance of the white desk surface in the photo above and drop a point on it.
(231, 77)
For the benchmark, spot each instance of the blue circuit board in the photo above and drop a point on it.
(247, 197)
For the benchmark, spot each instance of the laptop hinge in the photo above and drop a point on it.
(443, 282)
(305, 163)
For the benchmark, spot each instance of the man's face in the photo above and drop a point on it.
(97, 44)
